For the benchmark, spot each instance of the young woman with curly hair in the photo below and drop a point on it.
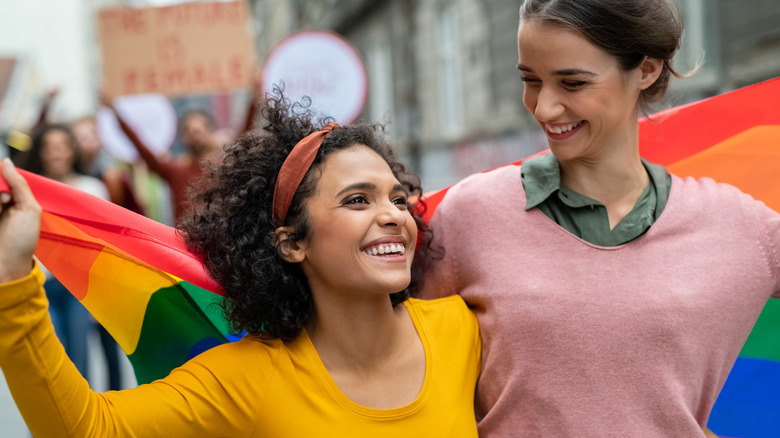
(309, 230)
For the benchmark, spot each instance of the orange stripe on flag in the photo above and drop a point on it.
(749, 160)
(78, 248)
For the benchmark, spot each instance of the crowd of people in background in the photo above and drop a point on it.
(72, 152)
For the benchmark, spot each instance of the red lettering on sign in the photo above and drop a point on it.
(176, 79)
(198, 75)
(200, 14)
(171, 50)
(237, 69)
(132, 21)
(150, 80)
(130, 82)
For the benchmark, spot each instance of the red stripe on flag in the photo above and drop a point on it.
(680, 132)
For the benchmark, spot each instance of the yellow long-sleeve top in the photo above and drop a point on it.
(249, 388)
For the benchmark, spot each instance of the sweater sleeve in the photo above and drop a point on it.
(56, 401)
(769, 228)
(437, 262)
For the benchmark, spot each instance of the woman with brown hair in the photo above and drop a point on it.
(613, 297)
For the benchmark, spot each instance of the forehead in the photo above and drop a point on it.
(556, 46)
(356, 164)
(196, 119)
(55, 135)
(83, 124)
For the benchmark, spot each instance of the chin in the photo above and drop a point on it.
(396, 286)
(565, 153)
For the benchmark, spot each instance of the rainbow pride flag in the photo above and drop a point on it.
(134, 275)
(138, 279)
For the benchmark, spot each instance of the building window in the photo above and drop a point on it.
(450, 83)
(700, 45)
(379, 63)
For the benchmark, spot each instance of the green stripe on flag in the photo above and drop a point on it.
(174, 325)
(764, 340)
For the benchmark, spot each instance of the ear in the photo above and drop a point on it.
(649, 70)
(290, 250)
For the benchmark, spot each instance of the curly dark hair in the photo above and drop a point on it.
(231, 224)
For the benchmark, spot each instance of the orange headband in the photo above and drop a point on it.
(294, 169)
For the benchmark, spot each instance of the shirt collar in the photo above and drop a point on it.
(541, 177)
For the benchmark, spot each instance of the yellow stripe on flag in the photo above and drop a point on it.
(122, 316)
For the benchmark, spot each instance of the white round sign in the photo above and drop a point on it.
(322, 66)
(151, 116)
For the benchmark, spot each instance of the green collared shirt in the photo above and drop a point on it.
(586, 217)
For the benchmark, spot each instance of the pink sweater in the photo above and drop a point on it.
(589, 341)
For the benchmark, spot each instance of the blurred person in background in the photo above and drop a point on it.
(201, 139)
(197, 128)
(96, 162)
(54, 154)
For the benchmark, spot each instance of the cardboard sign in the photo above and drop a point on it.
(198, 47)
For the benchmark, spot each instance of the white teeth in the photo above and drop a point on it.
(386, 249)
(563, 128)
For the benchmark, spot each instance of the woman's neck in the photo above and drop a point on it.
(371, 350)
(65, 178)
(617, 182)
(356, 333)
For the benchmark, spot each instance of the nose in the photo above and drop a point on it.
(548, 105)
(391, 215)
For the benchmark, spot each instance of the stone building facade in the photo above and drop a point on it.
(442, 72)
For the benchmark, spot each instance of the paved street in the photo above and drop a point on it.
(11, 423)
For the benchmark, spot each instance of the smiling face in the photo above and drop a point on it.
(198, 133)
(87, 138)
(57, 154)
(362, 233)
(584, 101)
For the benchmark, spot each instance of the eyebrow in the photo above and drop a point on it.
(370, 186)
(563, 72)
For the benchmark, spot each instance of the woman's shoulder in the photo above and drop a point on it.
(91, 185)
(250, 351)
(497, 179)
(703, 184)
(478, 194)
(706, 199)
(443, 311)
(705, 190)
